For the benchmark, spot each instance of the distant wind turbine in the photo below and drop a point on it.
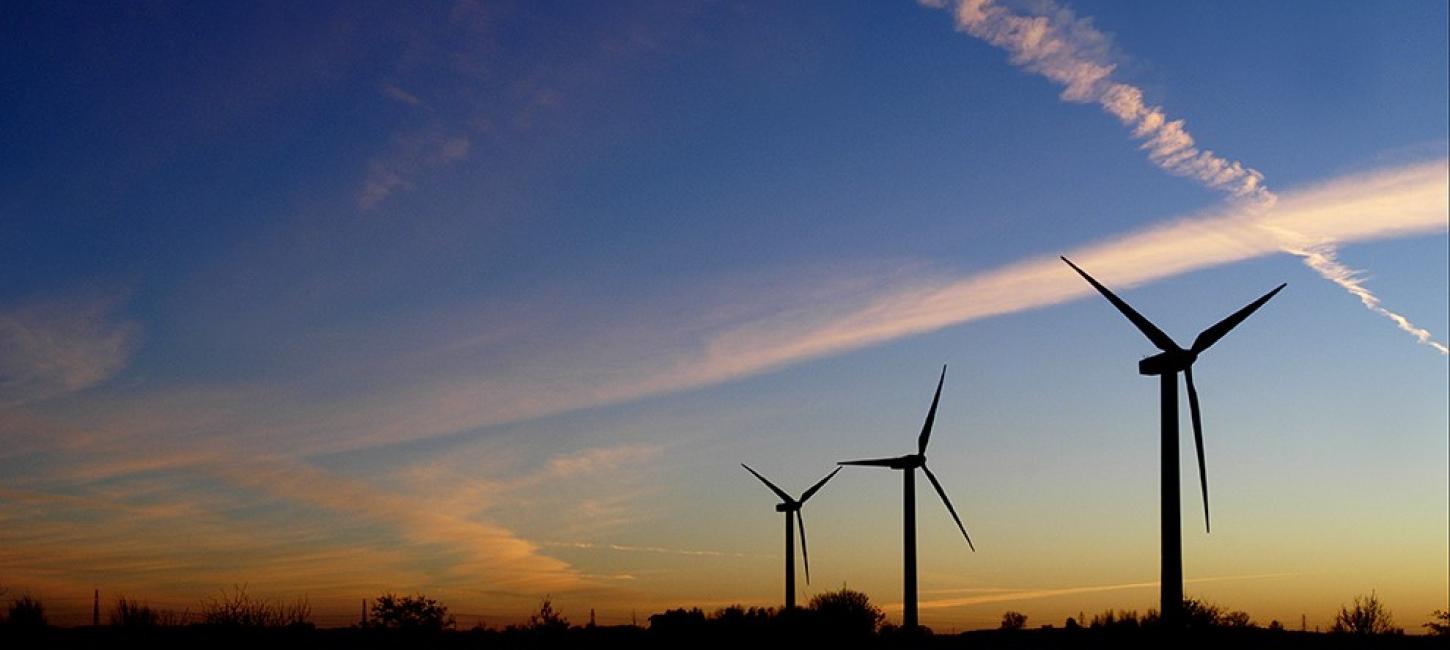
(908, 465)
(1167, 364)
(791, 506)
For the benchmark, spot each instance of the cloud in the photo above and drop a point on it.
(1391, 203)
(549, 372)
(663, 550)
(54, 348)
(392, 91)
(411, 154)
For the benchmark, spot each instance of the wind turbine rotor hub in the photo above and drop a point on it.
(1167, 362)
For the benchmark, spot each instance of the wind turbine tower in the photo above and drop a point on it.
(792, 509)
(908, 465)
(1167, 364)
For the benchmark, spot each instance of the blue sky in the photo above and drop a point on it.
(453, 298)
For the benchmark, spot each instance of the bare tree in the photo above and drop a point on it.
(1367, 616)
(1439, 624)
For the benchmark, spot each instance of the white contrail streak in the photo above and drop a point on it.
(1033, 594)
(1322, 259)
(1072, 52)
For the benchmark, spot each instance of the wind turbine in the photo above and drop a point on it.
(1167, 364)
(789, 505)
(908, 464)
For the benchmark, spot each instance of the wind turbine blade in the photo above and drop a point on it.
(1211, 335)
(943, 494)
(872, 462)
(1197, 440)
(815, 488)
(1148, 329)
(925, 436)
(805, 555)
(779, 492)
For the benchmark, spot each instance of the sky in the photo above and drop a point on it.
(489, 301)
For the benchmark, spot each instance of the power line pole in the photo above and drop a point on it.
(96, 610)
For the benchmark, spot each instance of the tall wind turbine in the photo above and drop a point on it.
(791, 507)
(1167, 364)
(908, 464)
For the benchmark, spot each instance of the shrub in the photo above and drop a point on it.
(847, 612)
(678, 621)
(240, 609)
(1236, 618)
(1109, 619)
(418, 612)
(134, 614)
(546, 619)
(1014, 620)
(1198, 614)
(738, 619)
(1367, 616)
(26, 611)
(1439, 624)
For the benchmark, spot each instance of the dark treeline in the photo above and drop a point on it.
(839, 619)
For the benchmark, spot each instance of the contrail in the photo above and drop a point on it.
(1072, 52)
(1033, 594)
(1323, 259)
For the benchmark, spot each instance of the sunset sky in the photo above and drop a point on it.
(489, 301)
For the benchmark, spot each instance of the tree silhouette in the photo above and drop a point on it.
(1014, 620)
(1236, 618)
(847, 611)
(134, 614)
(237, 608)
(418, 612)
(26, 611)
(1439, 624)
(547, 620)
(1367, 616)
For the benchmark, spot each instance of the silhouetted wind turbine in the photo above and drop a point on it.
(908, 464)
(1167, 364)
(789, 506)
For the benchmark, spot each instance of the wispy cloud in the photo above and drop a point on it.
(180, 528)
(392, 91)
(52, 348)
(411, 154)
(559, 375)
(664, 550)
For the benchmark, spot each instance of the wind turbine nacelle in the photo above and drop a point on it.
(785, 507)
(1166, 362)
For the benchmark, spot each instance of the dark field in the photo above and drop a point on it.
(201, 636)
